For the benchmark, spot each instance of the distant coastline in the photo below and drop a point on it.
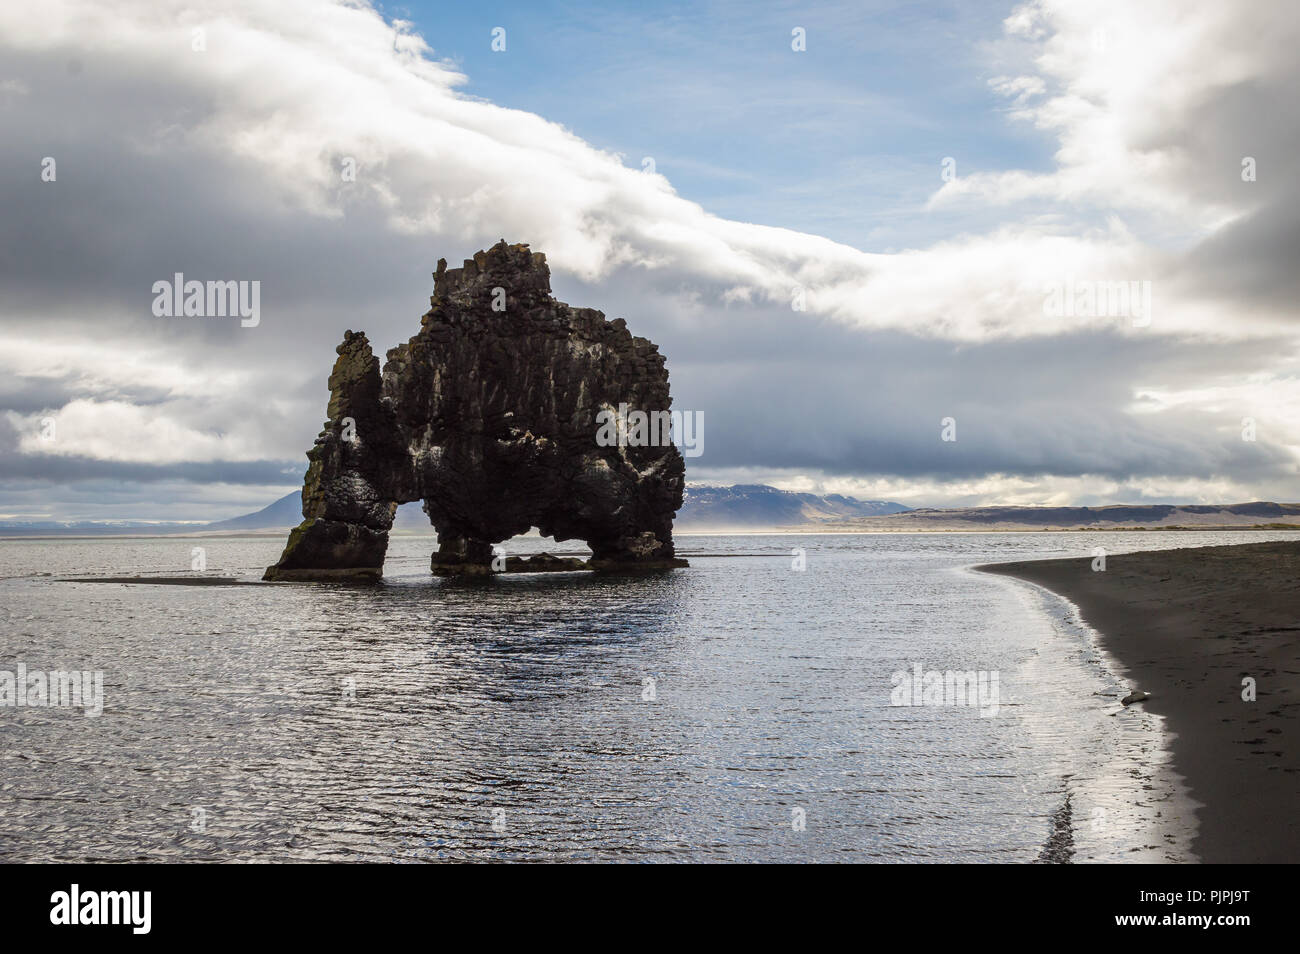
(833, 530)
(749, 509)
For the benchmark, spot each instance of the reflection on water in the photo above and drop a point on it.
(737, 710)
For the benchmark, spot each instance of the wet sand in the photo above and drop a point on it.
(1189, 625)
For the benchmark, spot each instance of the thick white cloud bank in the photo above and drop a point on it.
(213, 138)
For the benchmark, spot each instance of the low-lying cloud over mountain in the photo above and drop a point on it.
(212, 138)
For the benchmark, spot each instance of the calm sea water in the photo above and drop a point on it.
(738, 710)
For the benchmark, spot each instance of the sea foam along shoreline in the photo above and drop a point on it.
(1203, 629)
(1109, 765)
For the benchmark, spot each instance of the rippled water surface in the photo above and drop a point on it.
(512, 719)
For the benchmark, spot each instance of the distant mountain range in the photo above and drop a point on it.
(1117, 517)
(705, 508)
(757, 506)
(745, 506)
(281, 515)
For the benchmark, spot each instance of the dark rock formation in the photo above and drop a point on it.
(489, 415)
(543, 563)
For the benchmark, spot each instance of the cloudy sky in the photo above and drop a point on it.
(924, 178)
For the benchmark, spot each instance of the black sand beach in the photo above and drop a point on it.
(1189, 626)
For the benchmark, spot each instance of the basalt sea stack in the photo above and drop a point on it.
(489, 415)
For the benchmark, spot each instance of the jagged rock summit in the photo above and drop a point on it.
(489, 416)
